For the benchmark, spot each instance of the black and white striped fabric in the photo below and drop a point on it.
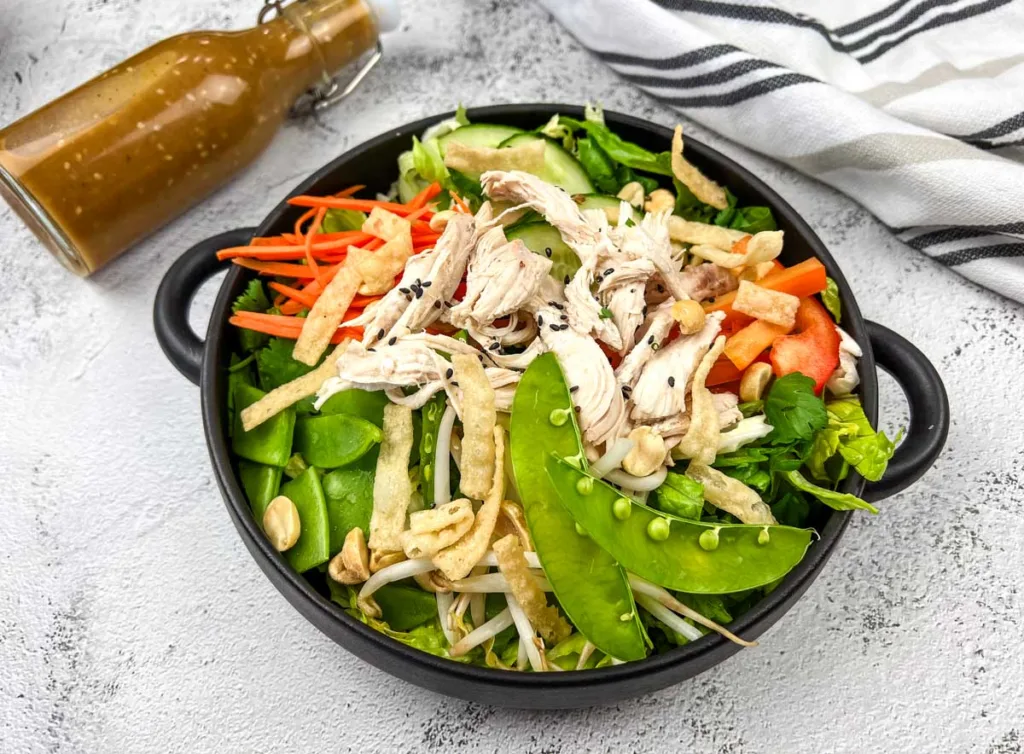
(914, 108)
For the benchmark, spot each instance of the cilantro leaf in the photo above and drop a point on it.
(793, 409)
(276, 365)
(253, 299)
(830, 298)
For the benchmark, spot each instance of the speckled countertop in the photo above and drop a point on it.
(133, 620)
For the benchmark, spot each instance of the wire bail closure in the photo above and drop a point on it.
(330, 91)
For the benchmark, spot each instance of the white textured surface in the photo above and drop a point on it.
(133, 620)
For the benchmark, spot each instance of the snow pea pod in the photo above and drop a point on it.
(312, 549)
(334, 440)
(260, 483)
(674, 552)
(404, 607)
(349, 494)
(589, 584)
(269, 443)
(433, 410)
(366, 404)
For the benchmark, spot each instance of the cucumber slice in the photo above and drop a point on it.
(601, 201)
(541, 238)
(479, 135)
(560, 167)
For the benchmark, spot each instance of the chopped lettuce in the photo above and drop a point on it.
(680, 496)
(830, 298)
(426, 158)
(841, 501)
(850, 435)
(338, 220)
(555, 129)
(598, 165)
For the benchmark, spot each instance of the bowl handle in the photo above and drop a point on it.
(929, 411)
(182, 347)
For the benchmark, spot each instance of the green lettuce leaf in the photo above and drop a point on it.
(840, 501)
(598, 165)
(753, 220)
(793, 409)
(830, 298)
(680, 496)
(622, 151)
(426, 157)
(555, 129)
(338, 220)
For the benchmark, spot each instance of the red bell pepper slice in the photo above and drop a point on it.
(812, 350)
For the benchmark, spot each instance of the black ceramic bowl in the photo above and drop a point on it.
(373, 164)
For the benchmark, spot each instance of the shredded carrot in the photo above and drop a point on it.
(317, 221)
(291, 333)
(462, 206)
(350, 190)
(305, 299)
(278, 269)
(298, 223)
(421, 199)
(282, 253)
(360, 205)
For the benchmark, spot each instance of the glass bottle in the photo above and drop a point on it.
(108, 163)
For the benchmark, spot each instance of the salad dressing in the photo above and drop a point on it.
(110, 162)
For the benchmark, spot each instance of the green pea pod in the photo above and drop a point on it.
(312, 549)
(349, 494)
(404, 607)
(433, 410)
(335, 440)
(271, 442)
(674, 552)
(261, 484)
(365, 404)
(589, 585)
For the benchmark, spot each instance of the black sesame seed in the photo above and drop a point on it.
(392, 341)
(427, 283)
(419, 293)
(565, 327)
(671, 381)
(564, 317)
(650, 340)
(404, 290)
(540, 320)
(554, 328)
(608, 272)
(557, 305)
(454, 383)
(380, 334)
(576, 409)
(437, 304)
(494, 346)
(574, 388)
(567, 279)
(547, 251)
(449, 373)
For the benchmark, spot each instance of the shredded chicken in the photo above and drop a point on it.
(707, 280)
(651, 338)
(502, 276)
(661, 389)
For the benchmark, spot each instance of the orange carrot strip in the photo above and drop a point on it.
(723, 371)
(307, 300)
(461, 205)
(361, 205)
(747, 344)
(421, 199)
(298, 223)
(350, 190)
(279, 269)
(317, 221)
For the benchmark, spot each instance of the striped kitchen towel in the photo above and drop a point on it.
(914, 108)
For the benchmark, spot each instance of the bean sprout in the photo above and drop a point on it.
(638, 483)
(486, 631)
(669, 618)
(612, 459)
(526, 633)
(442, 484)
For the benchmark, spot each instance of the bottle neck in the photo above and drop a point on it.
(319, 38)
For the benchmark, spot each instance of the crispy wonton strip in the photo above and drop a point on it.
(326, 315)
(478, 419)
(701, 439)
(392, 490)
(761, 247)
(430, 531)
(513, 521)
(473, 161)
(688, 231)
(379, 267)
(730, 495)
(702, 187)
(761, 303)
(545, 618)
(280, 398)
(457, 561)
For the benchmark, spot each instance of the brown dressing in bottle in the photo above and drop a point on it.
(110, 162)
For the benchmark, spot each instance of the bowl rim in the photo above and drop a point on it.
(316, 608)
